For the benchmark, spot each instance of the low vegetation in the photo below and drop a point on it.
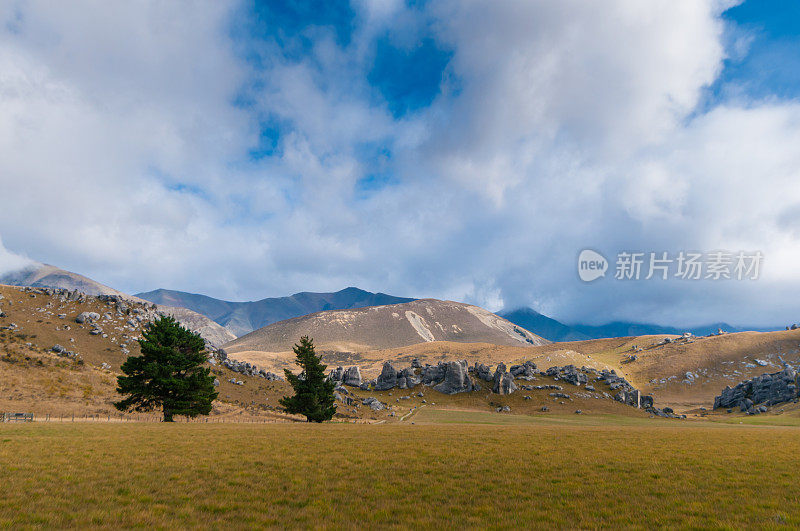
(568, 472)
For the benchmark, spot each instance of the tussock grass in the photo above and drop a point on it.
(473, 475)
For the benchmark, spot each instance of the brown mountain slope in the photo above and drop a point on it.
(35, 379)
(32, 377)
(48, 276)
(390, 326)
(660, 368)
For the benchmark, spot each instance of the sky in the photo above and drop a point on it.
(452, 149)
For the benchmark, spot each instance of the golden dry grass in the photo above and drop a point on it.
(515, 476)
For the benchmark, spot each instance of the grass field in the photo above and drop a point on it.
(450, 469)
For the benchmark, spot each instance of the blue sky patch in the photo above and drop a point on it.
(770, 68)
(408, 79)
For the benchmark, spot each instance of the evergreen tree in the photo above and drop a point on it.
(169, 374)
(313, 391)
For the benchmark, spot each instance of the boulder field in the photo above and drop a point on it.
(452, 377)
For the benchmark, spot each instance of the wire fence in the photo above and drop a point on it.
(143, 417)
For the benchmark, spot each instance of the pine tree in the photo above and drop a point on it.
(313, 391)
(169, 373)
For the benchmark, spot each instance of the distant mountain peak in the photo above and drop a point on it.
(241, 318)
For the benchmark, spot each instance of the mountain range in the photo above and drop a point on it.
(222, 321)
(554, 330)
(241, 318)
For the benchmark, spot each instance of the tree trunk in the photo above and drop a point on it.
(168, 416)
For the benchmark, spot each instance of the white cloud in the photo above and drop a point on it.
(560, 126)
(10, 261)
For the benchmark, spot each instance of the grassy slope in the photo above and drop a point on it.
(33, 379)
(565, 476)
(723, 360)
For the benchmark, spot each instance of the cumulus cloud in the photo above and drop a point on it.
(11, 261)
(158, 145)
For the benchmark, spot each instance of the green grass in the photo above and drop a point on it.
(400, 475)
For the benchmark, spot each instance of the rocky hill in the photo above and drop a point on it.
(61, 352)
(390, 326)
(48, 276)
(241, 318)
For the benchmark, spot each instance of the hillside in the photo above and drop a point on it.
(683, 373)
(80, 381)
(554, 330)
(48, 276)
(542, 325)
(241, 318)
(383, 327)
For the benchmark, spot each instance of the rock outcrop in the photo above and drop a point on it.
(526, 371)
(432, 374)
(248, 369)
(352, 376)
(569, 373)
(387, 379)
(456, 379)
(767, 389)
(483, 372)
(503, 381)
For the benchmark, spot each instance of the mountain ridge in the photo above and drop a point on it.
(555, 330)
(241, 318)
(381, 327)
(40, 275)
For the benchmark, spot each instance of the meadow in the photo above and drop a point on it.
(449, 469)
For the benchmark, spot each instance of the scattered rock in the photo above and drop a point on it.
(84, 317)
(373, 403)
